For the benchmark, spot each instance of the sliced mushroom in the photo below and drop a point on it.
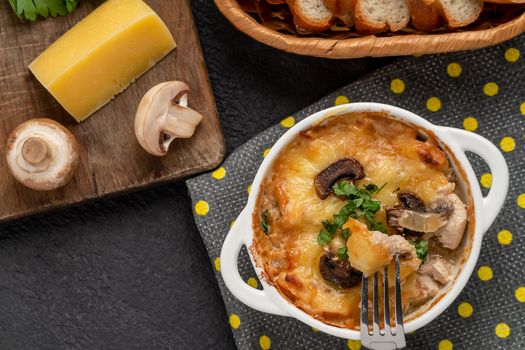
(411, 201)
(338, 271)
(451, 234)
(349, 168)
(42, 154)
(416, 221)
(414, 216)
(163, 115)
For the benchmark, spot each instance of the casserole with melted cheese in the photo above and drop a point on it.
(344, 197)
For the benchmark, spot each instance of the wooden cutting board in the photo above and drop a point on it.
(111, 158)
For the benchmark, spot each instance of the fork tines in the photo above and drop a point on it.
(386, 338)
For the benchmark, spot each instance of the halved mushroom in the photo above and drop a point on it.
(338, 271)
(349, 168)
(42, 154)
(163, 115)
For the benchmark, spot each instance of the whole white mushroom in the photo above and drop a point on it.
(42, 154)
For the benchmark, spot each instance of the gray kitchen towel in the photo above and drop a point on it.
(482, 91)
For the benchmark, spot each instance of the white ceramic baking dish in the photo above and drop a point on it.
(483, 209)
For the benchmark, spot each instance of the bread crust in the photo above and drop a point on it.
(366, 26)
(425, 15)
(451, 22)
(341, 9)
(506, 1)
(306, 25)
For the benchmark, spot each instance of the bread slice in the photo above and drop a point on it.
(341, 9)
(310, 16)
(459, 13)
(425, 15)
(376, 16)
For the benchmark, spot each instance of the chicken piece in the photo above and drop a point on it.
(437, 267)
(421, 288)
(367, 250)
(408, 260)
(451, 234)
(399, 245)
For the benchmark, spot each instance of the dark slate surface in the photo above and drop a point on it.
(131, 272)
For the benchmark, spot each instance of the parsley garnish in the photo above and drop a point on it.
(421, 249)
(30, 9)
(359, 203)
(343, 253)
(264, 222)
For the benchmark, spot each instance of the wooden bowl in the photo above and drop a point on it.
(407, 44)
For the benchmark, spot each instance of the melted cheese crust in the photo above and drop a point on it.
(391, 153)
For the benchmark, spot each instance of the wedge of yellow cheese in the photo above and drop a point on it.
(102, 54)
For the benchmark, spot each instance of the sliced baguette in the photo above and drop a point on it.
(376, 16)
(310, 16)
(425, 15)
(341, 9)
(459, 13)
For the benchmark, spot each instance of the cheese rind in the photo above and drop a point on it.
(101, 55)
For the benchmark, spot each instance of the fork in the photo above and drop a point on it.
(387, 338)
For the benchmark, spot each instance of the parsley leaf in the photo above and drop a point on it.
(343, 253)
(421, 249)
(359, 203)
(324, 237)
(31, 9)
(264, 222)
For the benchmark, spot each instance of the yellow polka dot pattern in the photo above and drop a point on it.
(502, 330)
(485, 273)
(219, 173)
(265, 153)
(491, 89)
(252, 282)
(486, 180)
(235, 321)
(217, 263)
(520, 294)
(397, 86)
(445, 344)
(465, 310)
(521, 200)
(504, 237)
(353, 344)
(288, 122)
(433, 104)
(265, 342)
(470, 123)
(201, 208)
(522, 108)
(454, 70)
(507, 144)
(512, 54)
(341, 100)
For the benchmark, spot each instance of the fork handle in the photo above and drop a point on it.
(383, 346)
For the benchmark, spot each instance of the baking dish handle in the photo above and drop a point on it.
(493, 202)
(235, 240)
